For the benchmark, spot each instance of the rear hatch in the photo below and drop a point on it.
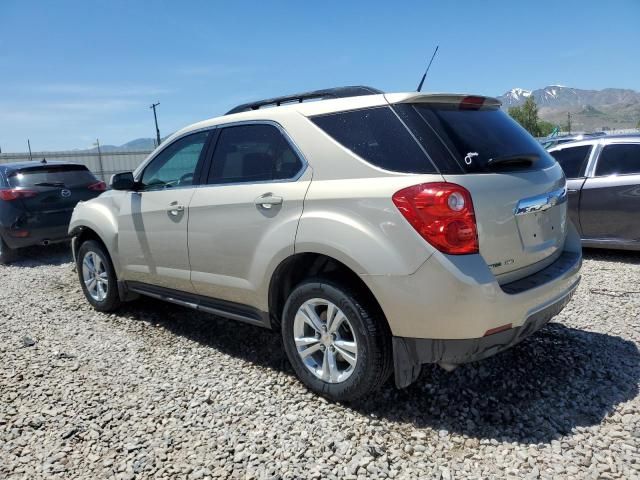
(54, 189)
(518, 190)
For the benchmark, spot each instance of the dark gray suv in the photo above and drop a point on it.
(36, 202)
(603, 181)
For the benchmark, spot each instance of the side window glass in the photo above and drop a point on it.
(377, 136)
(176, 165)
(253, 153)
(573, 160)
(619, 160)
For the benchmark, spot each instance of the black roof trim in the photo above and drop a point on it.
(338, 92)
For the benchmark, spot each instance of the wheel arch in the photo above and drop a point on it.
(296, 268)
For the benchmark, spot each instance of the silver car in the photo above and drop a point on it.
(378, 232)
(603, 181)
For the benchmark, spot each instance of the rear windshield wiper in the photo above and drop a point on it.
(517, 160)
(49, 184)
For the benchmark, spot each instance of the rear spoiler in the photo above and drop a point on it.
(443, 98)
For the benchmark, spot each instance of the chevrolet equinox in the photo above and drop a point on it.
(378, 232)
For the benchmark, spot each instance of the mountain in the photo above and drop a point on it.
(611, 108)
(146, 144)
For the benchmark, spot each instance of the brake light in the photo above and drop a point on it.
(8, 194)
(442, 213)
(471, 103)
(19, 233)
(98, 186)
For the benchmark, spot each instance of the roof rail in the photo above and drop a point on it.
(338, 92)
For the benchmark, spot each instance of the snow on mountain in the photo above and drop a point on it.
(556, 96)
(517, 94)
(611, 108)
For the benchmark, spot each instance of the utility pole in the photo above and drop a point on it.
(100, 159)
(155, 117)
(569, 121)
(30, 156)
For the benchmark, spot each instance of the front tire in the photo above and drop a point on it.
(336, 340)
(97, 276)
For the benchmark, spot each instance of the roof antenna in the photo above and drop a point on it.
(427, 70)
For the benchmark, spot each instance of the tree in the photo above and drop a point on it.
(527, 116)
(545, 128)
(638, 125)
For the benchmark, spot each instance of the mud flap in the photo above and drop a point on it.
(406, 363)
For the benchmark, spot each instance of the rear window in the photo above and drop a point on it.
(464, 140)
(572, 160)
(377, 136)
(68, 175)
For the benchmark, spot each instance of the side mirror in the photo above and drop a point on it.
(123, 181)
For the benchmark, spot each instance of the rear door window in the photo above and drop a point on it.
(51, 175)
(622, 159)
(377, 136)
(573, 160)
(253, 153)
(473, 140)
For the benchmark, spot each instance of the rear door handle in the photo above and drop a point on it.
(175, 209)
(268, 200)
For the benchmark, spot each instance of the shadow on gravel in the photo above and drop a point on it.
(556, 380)
(37, 256)
(624, 256)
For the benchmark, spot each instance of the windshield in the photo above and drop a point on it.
(46, 176)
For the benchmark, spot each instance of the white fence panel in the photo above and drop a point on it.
(103, 165)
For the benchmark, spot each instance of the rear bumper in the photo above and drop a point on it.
(51, 226)
(37, 236)
(410, 353)
(446, 311)
(458, 297)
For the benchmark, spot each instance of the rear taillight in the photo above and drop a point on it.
(98, 186)
(471, 103)
(9, 194)
(19, 233)
(442, 213)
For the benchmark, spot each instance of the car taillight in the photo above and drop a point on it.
(471, 103)
(442, 213)
(98, 186)
(9, 194)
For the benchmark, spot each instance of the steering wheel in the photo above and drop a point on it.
(187, 177)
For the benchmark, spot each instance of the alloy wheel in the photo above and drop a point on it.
(325, 340)
(95, 276)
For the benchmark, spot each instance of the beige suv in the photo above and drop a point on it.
(378, 232)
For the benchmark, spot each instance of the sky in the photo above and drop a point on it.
(73, 71)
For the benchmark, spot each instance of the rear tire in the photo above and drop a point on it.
(97, 276)
(7, 255)
(350, 346)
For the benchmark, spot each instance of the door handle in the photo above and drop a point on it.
(267, 201)
(175, 209)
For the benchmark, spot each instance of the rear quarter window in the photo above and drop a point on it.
(377, 136)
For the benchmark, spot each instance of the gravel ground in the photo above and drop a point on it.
(160, 391)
